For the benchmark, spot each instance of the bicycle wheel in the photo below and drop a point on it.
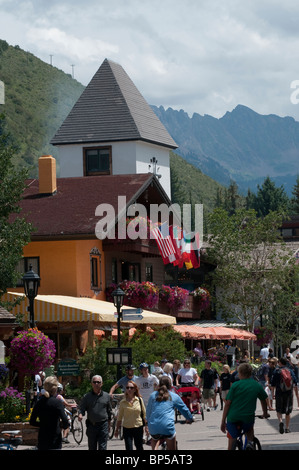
(112, 427)
(256, 444)
(77, 429)
(237, 445)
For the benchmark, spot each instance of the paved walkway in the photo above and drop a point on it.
(206, 435)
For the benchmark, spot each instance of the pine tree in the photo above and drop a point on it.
(295, 198)
(270, 198)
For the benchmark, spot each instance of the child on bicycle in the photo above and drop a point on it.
(240, 405)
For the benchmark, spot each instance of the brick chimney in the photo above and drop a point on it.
(47, 174)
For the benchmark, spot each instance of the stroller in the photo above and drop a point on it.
(188, 394)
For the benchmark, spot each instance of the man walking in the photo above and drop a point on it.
(122, 382)
(97, 403)
(284, 380)
(209, 381)
(146, 382)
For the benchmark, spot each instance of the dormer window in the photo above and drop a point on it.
(97, 161)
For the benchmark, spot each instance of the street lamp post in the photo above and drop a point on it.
(31, 283)
(118, 299)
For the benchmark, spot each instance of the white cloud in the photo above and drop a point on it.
(200, 56)
(83, 49)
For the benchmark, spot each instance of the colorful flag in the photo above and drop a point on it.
(195, 252)
(190, 250)
(176, 236)
(164, 243)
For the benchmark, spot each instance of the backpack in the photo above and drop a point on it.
(286, 380)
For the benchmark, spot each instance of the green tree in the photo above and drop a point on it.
(269, 198)
(253, 268)
(149, 347)
(14, 230)
(229, 198)
(295, 198)
(233, 200)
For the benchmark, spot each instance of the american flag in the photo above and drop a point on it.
(164, 243)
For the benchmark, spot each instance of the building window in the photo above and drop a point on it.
(24, 265)
(149, 272)
(130, 271)
(95, 271)
(97, 161)
(114, 271)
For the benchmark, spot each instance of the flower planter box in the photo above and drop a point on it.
(29, 433)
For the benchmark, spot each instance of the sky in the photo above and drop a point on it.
(202, 56)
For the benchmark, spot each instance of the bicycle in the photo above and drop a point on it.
(11, 440)
(76, 426)
(115, 407)
(242, 443)
(161, 442)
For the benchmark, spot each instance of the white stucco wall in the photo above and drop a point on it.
(127, 158)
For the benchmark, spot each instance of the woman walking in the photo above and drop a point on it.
(47, 414)
(132, 416)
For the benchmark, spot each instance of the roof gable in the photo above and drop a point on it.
(112, 109)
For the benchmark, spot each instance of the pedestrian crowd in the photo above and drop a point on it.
(146, 409)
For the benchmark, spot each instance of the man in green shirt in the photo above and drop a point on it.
(240, 405)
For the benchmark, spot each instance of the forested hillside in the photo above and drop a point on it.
(38, 97)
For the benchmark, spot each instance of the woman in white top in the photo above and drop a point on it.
(168, 371)
(187, 376)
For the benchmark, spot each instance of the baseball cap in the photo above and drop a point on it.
(142, 365)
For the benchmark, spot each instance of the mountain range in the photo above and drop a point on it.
(242, 146)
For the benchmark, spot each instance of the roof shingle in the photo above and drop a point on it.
(112, 109)
(71, 210)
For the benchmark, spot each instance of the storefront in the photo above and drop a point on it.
(71, 322)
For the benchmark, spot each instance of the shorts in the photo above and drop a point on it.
(284, 402)
(224, 394)
(156, 437)
(208, 393)
(233, 429)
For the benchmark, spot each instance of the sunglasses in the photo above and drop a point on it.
(96, 382)
(128, 388)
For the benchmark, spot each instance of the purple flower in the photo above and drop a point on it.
(32, 351)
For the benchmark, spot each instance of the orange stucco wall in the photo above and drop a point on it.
(65, 266)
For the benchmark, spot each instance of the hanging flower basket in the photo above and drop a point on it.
(31, 351)
(147, 295)
(263, 335)
(174, 297)
(202, 297)
(138, 294)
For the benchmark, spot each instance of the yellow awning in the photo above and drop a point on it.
(61, 308)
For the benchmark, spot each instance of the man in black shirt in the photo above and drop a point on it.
(209, 381)
(98, 406)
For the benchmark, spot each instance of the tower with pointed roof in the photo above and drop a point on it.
(112, 130)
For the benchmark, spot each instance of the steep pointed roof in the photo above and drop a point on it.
(112, 109)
